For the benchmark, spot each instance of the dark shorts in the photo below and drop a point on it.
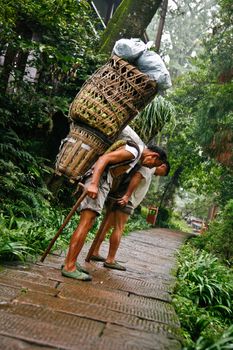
(112, 204)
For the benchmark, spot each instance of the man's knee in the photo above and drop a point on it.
(120, 220)
(87, 218)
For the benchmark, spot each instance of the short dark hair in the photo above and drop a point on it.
(159, 150)
(168, 167)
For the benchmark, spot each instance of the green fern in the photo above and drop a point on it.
(10, 136)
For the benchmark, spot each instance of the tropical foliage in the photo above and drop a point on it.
(200, 146)
(66, 41)
(203, 300)
(152, 119)
(47, 52)
(219, 236)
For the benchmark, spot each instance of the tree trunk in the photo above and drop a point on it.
(109, 11)
(171, 186)
(129, 21)
(15, 56)
(7, 68)
(161, 25)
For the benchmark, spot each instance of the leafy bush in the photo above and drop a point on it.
(23, 239)
(203, 296)
(153, 118)
(223, 343)
(209, 283)
(143, 211)
(177, 223)
(195, 321)
(219, 237)
(163, 217)
(136, 222)
(63, 56)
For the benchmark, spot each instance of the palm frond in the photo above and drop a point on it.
(152, 119)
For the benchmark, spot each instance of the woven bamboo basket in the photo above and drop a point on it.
(112, 97)
(78, 152)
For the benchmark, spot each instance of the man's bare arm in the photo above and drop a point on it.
(117, 156)
(134, 182)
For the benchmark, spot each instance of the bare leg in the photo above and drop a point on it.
(108, 223)
(87, 218)
(120, 220)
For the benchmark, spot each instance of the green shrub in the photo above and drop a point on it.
(163, 217)
(144, 211)
(22, 238)
(219, 237)
(209, 283)
(225, 342)
(136, 222)
(203, 296)
(177, 223)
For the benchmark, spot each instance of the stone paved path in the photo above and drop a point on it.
(122, 310)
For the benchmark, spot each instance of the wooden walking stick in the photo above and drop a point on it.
(67, 219)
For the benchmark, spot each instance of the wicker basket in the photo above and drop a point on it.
(78, 152)
(112, 97)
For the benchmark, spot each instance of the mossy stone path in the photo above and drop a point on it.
(40, 309)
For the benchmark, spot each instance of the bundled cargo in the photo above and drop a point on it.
(112, 97)
(153, 66)
(129, 49)
(147, 61)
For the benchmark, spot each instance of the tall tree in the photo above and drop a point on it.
(66, 34)
(203, 139)
(129, 21)
(61, 56)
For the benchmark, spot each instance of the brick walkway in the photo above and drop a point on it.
(40, 309)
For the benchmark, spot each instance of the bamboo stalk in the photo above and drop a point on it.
(67, 219)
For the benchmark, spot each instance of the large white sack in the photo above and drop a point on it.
(152, 65)
(129, 49)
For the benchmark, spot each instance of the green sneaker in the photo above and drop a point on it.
(78, 275)
(79, 268)
(97, 258)
(114, 266)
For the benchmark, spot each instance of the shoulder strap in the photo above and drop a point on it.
(130, 143)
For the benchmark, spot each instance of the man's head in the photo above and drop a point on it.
(153, 156)
(163, 170)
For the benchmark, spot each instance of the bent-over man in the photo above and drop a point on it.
(119, 210)
(98, 184)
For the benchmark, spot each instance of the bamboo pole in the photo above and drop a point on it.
(67, 219)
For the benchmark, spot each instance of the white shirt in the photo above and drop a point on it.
(129, 134)
(137, 155)
(139, 194)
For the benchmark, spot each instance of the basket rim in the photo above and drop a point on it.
(90, 130)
